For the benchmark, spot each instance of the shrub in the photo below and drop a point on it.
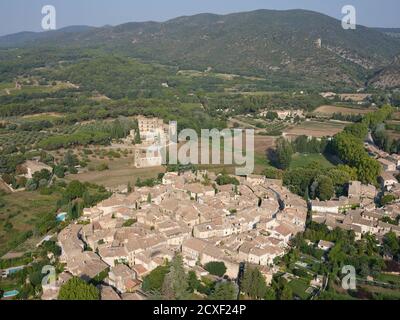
(216, 268)
(77, 289)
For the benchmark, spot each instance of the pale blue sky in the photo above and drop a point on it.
(25, 15)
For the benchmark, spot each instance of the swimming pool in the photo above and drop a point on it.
(14, 269)
(10, 294)
(61, 217)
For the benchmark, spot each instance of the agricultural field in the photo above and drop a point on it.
(22, 138)
(260, 126)
(317, 129)
(45, 116)
(21, 211)
(120, 172)
(356, 97)
(328, 111)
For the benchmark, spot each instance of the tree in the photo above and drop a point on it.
(78, 289)
(368, 170)
(31, 185)
(129, 222)
(386, 199)
(341, 175)
(270, 294)
(284, 153)
(359, 130)
(59, 171)
(216, 268)
(175, 286)
(324, 190)
(193, 282)
(73, 210)
(272, 173)
(154, 280)
(224, 179)
(75, 190)
(271, 115)
(287, 293)
(70, 160)
(224, 291)
(253, 283)
(391, 245)
(350, 150)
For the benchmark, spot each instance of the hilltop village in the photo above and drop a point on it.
(249, 222)
(129, 235)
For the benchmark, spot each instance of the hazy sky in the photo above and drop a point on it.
(25, 15)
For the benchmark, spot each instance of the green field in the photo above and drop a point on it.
(303, 160)
(389, 278)
(299, 287)
(44, 117)
(22, 210)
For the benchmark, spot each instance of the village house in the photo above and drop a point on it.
(387, 165)
(357, 190)
(197, 190)
(334, 206)
(387, 180)
(114, 255)
(122, 278)
(261, 255)
(108, 294)
(325, 245)
(395, 158)
(255, 179)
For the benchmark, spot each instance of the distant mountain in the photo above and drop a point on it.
(387, 77)
(30, 38)
(391, 32)
(284, 47)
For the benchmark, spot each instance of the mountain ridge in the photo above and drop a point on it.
(296, 45)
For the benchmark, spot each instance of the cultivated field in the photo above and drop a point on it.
(121, 172)
(330, 110)
(317, 129)
(357, 97)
